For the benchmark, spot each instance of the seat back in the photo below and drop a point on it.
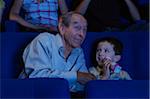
(35, 88)
(12, 47)
(117, 89)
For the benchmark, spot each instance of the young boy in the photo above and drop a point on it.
(108, 53)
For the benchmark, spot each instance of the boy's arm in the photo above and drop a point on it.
(133, 10)
(125, 75)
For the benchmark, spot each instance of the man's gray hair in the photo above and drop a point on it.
(66, 18)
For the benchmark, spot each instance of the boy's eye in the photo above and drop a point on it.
(106, 51)
(98, 50)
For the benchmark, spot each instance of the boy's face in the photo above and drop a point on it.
(105, 50)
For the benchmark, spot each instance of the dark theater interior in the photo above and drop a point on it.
(112, 18)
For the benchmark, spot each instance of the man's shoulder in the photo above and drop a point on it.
(45, 36)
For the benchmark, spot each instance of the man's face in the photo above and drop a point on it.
(104, 50)
(75, 34)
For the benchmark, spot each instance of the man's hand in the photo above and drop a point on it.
(83, 77)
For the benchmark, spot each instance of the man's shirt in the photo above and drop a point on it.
(45, 55)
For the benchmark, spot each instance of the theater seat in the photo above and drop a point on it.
(117, 89)
(135, 57)
(12, 47)
(135, 60)
(35, 88)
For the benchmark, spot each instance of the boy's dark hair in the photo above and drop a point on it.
(118, 46)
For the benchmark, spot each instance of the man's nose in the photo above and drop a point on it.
(81, 33)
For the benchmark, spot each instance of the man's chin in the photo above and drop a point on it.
(77, 46)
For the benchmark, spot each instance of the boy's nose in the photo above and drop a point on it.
(101, 53)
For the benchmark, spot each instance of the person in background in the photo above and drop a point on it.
(2, 5)
(40, 15)
(60, 55)
(105, 15)
(108, 53)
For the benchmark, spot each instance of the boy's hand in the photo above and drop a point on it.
(83, 77)
(106, 68)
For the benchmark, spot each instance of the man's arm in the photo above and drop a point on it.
(133, 10)
(82, 7)
(83, 76)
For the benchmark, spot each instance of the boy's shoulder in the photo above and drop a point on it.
(125, 75)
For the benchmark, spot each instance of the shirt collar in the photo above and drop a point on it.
(59, 40)
(61, 47)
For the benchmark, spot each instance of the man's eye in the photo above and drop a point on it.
(77, 27)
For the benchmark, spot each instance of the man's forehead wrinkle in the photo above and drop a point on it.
(76, 19)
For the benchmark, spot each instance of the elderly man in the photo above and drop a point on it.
(60, 56)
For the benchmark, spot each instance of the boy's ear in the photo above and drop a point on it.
(117, 58)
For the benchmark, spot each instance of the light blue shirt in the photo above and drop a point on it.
(45, 55)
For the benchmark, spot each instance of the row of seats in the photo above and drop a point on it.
(135, 57)
(58, 88)
(135, 60)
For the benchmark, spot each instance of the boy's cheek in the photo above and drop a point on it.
(100, 63)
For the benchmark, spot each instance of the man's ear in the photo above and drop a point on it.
(61, 28)
(117, 58)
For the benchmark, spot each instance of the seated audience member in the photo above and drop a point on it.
(105, 15)
(60, 55)
(108, 53)
(2, 5)
(40, 15)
